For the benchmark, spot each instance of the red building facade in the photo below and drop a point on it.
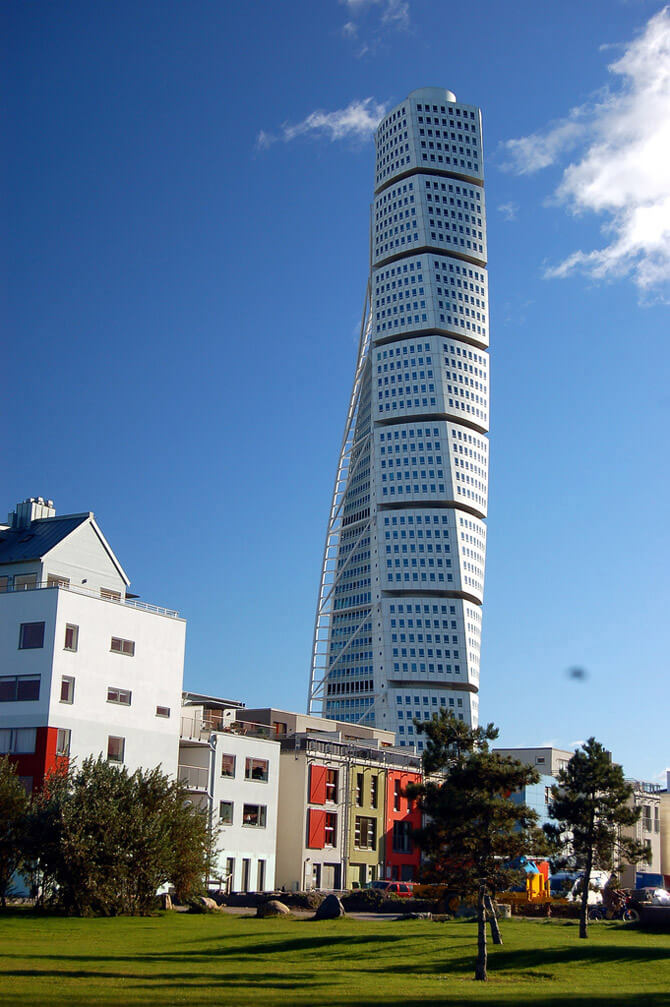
(402, 855)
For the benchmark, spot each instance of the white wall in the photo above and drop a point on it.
(242, 841)
(153, 675)
(83, 558)
(16, 608)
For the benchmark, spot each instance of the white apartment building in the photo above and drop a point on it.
(398, 623)
(232, 769)
(85, 668)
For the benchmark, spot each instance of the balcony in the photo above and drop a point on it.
(62, 585)
(199, 727)
(195, 777)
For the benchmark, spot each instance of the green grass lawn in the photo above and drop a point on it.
(180, 959)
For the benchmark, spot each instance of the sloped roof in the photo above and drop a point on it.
(20, 544)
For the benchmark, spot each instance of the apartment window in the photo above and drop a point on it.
(359, 790)
(121, 696)
(67, 689)
(228, 766)
(120, 646)
(106, 592)
(280, 729)
(115, 749)
(261, 876)
(256, 769)
(226, 812)
(330, 838)
(19, 688)
(331, 785)
(365, 833)
(396, 795)
(230, 868)
(402, 837)
(31, 635)
(27, 784)
(162, 711)
(63, 741)
(4, 584)
(25, 581)
(374, 791)
(54, 580)
(254, 815)
(18, 740)
(71, 637)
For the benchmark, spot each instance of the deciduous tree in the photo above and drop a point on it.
(104, 840)
(13, 804)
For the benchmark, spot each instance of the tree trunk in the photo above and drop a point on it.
(584, 910)
(480, 970)
(496, 936)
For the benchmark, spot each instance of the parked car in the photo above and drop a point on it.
(401, 889)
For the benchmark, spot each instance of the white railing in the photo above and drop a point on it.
(44, 585)
(197, 728)
(195, 777)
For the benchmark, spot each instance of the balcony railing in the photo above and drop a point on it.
(195, 777)
(62, 585)
(197, 728)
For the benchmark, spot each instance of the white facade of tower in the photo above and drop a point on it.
(398, 624)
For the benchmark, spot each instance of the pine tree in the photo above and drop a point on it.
(590, 806)
(472, 827)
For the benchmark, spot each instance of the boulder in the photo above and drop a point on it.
(330, 909)
(201, 904)
(272, 908)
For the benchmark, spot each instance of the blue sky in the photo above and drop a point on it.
(186, 249)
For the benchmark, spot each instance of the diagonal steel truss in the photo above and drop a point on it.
(330, 575)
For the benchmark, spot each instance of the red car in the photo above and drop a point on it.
(401, 889)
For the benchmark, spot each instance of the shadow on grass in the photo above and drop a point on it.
(247, 950)
(275, 993)
(190, 980)
(530, 959)
(529, 996)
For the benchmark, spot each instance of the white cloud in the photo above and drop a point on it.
(509, 210)
(531, 153)
(622, 170)
(396, 13)
(358, 120)
(379, 15)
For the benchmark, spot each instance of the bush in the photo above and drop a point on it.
(104, 841)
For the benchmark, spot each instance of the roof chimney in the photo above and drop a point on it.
(31, 509)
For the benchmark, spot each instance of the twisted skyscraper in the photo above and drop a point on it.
(398, 623)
